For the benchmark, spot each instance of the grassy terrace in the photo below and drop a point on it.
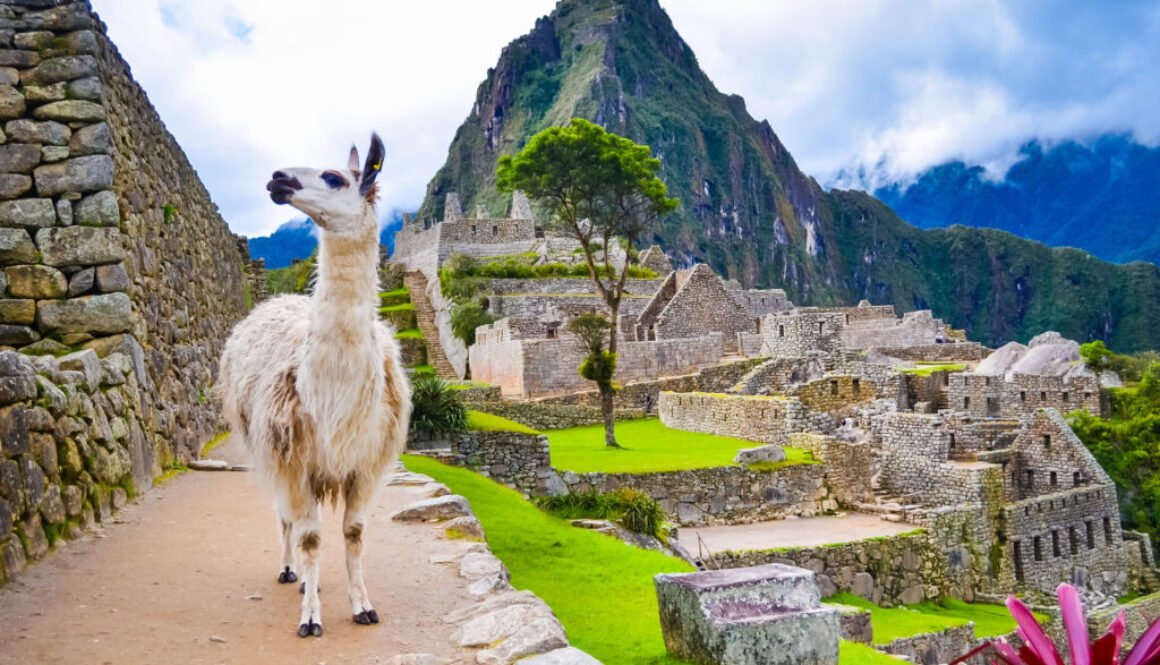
(929, 616)
(650, 447)
(924, 369)
(478, 421)
(600, 588)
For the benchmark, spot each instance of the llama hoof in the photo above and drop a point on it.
(366, 618)
(310, 628)
(287, 577)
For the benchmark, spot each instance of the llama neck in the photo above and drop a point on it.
(346, 289)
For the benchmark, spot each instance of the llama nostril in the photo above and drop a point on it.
(279, 175)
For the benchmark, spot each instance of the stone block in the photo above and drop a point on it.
(87, 88)
(70, 110)
(17, 311)
(102, 314)
(112, 278)
(9, 76)
(770, 453)
(87, 363)
(79, 246)
(27, 212)
(30, 131)
(16, 247)
(52, 506)
(12, 104)
(19, 157)
(79, 174)
(17, 378)
(33, 538)
(45, 93)
(13, 185)
(64, 212)
(766, 615)
(100, 209)
(13, 335)
(6, 519)
(91, 140)
(14, 433)
(35, 281)
(53, 153)
(59, 70)
(32, 41)
(82, 282)
(434, 510)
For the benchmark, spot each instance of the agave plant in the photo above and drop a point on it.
(1038, 648)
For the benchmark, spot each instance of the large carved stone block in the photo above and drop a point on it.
(762, 615)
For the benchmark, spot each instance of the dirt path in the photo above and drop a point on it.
(803, 532)
(187, 575)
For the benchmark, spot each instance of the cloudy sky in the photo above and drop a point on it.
(884, 88)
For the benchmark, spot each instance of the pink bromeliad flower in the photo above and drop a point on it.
(1038, 648)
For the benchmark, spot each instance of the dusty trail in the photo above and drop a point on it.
(187, 575)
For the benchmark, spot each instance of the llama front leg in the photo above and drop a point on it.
(358, 492)
(286, 574)
(309, 535)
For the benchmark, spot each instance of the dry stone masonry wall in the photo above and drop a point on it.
(113, 257)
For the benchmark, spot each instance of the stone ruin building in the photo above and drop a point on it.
(911, 422)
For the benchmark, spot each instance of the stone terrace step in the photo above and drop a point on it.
(416, 283)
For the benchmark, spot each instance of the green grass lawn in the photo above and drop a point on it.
(409, 333)
(927, 370)
(479, 421)
(600, 588)
(930, 616)
(649, 447)
(401, 307)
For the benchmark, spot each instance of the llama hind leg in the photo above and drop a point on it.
(357, 495)
(286, 574)
(308, 529)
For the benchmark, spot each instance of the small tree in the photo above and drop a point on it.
(598, 186)
(598, 365)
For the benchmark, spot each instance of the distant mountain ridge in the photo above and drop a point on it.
(1102, 196)
(750, 213)
(297, 239)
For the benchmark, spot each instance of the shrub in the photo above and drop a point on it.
(466, 318)
(436, 407)
(633, 510)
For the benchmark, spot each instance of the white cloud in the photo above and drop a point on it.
(886, 86)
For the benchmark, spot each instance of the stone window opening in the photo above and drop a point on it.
(1037, 546)
(987, 381)
(1066, 396)
(494, 231)
(1026, 510)
(553, 330)
(1042, 395)
(1087, 396)
(1054, 479)
(1076, 480)
(1022, 395)
(781, 331)
(1091, 534)
(473, 229)
(833, 387)
(1029, 478)
(1018, 561)
(1073, 540)
(966, 403)
(847, 319)
(1107, 531)
(821, 327)
(1046, 440)
(857, 385)
(946, 378)
(952, 440)
(1055, 550)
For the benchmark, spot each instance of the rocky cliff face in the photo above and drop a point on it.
(748, 210)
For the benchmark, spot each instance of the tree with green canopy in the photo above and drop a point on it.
(599, 187)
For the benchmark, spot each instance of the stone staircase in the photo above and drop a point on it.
(891, 508)
(416, 283)
(1150, 579)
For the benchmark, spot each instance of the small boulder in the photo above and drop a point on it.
(467, 528)
(770, 453)
(439, 509)
(565, 656)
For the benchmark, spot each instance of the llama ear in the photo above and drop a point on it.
(352, 163)
(373, 165)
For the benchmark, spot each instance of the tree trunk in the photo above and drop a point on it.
(606, 395)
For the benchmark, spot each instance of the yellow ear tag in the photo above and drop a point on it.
(378, 166)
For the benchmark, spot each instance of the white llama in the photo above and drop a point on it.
(314, 385)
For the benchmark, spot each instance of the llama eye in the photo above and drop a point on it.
(333, 180)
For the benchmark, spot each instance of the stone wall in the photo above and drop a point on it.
(701, 305)
(941, 647)
(561, 285)
(800, 331)
(776, 375)
(902, 569)
(548, 416)
(721, 495)
(1139, 614)
(835, 392)
(108, 243)
(756, 418)
(1021, 395)
(520, 461)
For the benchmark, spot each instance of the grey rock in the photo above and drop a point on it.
(5, 519)
(12, 557)
(70, 110)
(863, 585)
(501, 624)
(12, 335)
(53, 153)
(58, 17)
(13, 185)
(87, 88)
(79, 246)
(20, 312)
(107, 313)
(52, 506)
(45, 93)
(113, 278)
(491, 605)
(73, 43)
(78, 174)
(462, 527)
(19, 157)
(565, 656)
(770, 453)
(58, 70)
(100, 209)
(111, 466)
(32, 535)
(87, 363)
(27, 212)
(36, 281)
(30, 131)
(91, 140)
(64, 212)
(432, 510)
(45, 347)
(14, 428)
(11, 485)
(16, 247)
(539, 636)
(477, 565)
(73, 499)
(34, 480)
(12, 104)
(488, 585)
(18, 58)
(32, 41)
(9, 76)
(81, 282)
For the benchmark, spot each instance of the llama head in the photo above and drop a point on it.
(336, 199)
